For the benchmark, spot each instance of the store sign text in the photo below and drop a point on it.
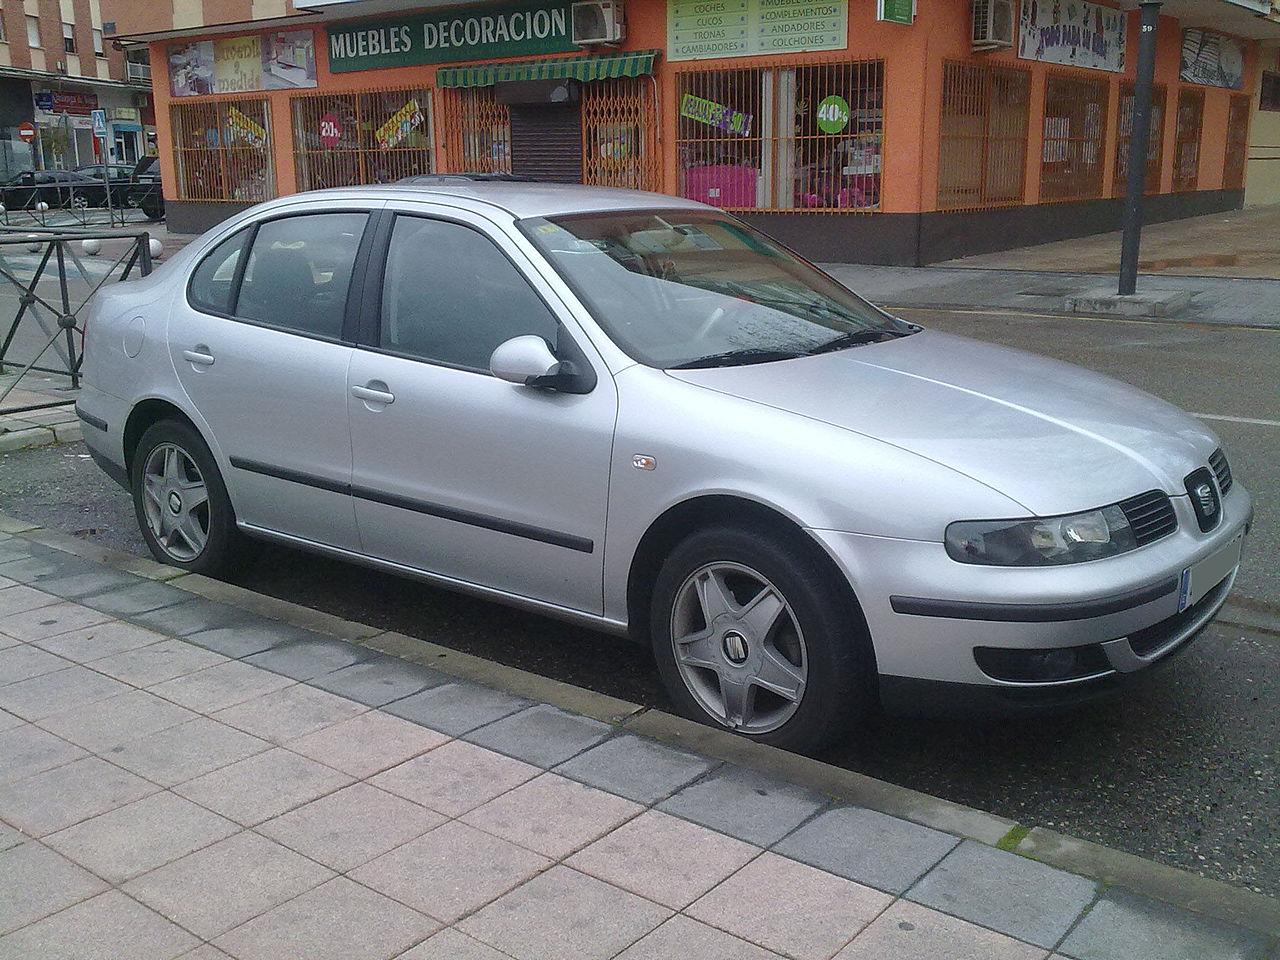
(698, 29)
(715, 115)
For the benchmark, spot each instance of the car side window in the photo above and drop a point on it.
(211, 283)
(299, 271)
(449, 295)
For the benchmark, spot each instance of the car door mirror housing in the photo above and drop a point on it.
(528, 361)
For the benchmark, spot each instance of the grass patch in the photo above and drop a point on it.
(1009, 842)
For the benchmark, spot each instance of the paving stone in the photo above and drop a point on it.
(368, 743)
(543, 735)
(379, 680)
(245, 639)
(27, 750)
(185, 751)
(220, 887)
(262, 786)
(908, 931)
(450, 871)
(38, 882)
(23, 661)
(138, 598)
(552, 815)
(205, 952)
(105, 724)
(309, 658)
(47, 621)
(455, 778)
(681, 937)
(1009, 893)
(108, 927)
(18, 599)
(54, 692)
(45, 565)
(1124, 926)
(457, 708)
(287, 714)
(157, 662)
(8, 641)
(78, 585)
(15, 549)
(663, 858)
(140, 836)
(744, 804)
(194, 615)
(351, 827)
(868, 847)
(636, 768)
(564, 915)
(101, 640)
(452, 944)
(8, 720)
(66, 795)
(338, 920)
(10, 837)
(790, 908)
(220, 686)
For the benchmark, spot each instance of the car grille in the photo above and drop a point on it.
(1150, 516)
(1152, 638)
(1221, 470)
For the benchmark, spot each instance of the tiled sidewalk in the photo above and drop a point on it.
(180, 778)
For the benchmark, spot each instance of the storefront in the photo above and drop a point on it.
(851, 135)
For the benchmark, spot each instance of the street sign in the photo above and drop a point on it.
(26, 131)
(99, 123)
(896, 11)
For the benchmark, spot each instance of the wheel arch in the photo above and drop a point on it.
(142, 416)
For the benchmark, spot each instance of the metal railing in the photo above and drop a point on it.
(982, 142)
(1075, 131)
(57, 313)
(80, 203)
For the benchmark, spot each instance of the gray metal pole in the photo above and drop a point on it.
(1139, 140)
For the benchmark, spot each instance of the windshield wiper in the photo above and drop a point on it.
(731, 358)
(855, 338)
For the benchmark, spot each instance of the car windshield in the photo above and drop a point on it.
(688, 288)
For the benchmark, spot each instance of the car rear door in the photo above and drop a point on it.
(261, 344)
(455, 471)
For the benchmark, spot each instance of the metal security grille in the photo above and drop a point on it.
(1155, 146)
(1186, 143)
(780, 137)
(475, 131)
(1237, 143)
(223, 150)
(620, 134)
(983, 140)
(1075, 129)
(373, 136)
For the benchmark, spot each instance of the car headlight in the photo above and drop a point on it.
(1042, 541)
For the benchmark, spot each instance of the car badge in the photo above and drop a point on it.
(1208, 504)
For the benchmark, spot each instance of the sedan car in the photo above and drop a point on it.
(57, 188)
(638, 413)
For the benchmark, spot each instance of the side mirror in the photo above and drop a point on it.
(529, 362)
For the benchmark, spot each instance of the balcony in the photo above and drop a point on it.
(138, 71)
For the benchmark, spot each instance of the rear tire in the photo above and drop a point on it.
(754, 631)
(181, 502)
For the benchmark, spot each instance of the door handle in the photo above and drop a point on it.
(199, 356)
(376, 392)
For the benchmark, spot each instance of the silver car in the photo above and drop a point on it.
(638, 413)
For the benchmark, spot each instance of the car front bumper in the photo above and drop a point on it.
(928, 614)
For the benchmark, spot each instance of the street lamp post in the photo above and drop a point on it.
(1139, 141)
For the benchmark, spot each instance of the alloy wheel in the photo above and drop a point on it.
(176, 502)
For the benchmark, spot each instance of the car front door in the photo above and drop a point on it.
(455, 471)
(261, 346)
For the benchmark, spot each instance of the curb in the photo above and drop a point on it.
(1170, 885)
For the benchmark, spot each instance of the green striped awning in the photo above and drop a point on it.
(606, 67)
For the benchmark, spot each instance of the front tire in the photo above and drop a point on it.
(181, 502)
(753, 631)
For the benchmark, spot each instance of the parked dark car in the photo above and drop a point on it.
(146, 192)
(57, 188)
(115, 171)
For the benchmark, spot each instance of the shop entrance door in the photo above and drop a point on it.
(546, 128)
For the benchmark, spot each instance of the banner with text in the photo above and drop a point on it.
(1075, 34)
(701, 29)
(273, 61)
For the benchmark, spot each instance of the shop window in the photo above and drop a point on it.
(1269, 97)
(1075, 129)
(1237, 143)
(620, 134)
(782, 138)
(983, 137)
(1155, 144)
(1186, 144)
(223, 150)
(68, 38)
(475, 131)
(376, 136)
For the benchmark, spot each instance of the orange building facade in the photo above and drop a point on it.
(850, 137)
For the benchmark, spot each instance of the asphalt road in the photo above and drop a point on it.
(1183, 770)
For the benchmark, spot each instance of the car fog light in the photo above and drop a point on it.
(1041, 665)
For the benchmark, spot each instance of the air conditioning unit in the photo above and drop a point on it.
(597, 21)
(992, 24)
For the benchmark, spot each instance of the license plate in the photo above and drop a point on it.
(1199, 578)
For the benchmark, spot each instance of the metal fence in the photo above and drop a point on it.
(49, 202)
(222, 150)
(1075, 130)
(1237, 143)
(983, 137)
(1186, 142)
(620, 133)
(371, 136)
(475, 130)
(1124, 131)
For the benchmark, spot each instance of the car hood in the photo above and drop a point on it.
(1049, 435)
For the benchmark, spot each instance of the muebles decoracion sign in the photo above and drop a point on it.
(1072, 33)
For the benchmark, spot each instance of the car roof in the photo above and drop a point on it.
(521, 199)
